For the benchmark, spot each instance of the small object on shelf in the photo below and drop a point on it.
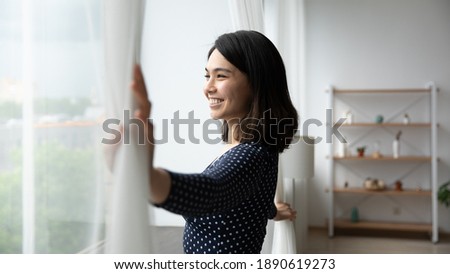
(376, 154)
(343, 149)
(406, 119)
(395, 148)
(354, 215)
(379, 119)
(444, 194)
(398, 185)
(348, 117)
(374, 184)
(396, 145)
(346, 184)
(361, 151)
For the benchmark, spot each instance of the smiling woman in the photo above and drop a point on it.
(227, 206)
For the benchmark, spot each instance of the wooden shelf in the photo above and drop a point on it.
(392, 226)
(385, 158)
(387, 125)
(405, 192)
(383, 91)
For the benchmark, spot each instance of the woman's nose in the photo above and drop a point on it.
(209, 87)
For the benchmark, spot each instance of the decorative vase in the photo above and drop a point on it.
(406, 119)
(395, 148)
(398, 185)
(354, 215)
(343, 149)
(379, 119)
(349, 117)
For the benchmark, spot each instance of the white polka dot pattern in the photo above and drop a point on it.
(226, 207)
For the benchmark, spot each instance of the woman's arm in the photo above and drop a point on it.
(160, 184)
(235, 177)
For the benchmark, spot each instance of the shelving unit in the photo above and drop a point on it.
(385, 162)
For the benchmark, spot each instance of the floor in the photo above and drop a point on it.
(169, 239)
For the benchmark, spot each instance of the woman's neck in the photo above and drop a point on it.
(233, 129)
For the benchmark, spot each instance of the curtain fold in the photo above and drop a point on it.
(284, 240)
(247, 14)
(128, 229)
(284, 26)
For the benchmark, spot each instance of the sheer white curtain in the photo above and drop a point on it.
(284, 238)
(284, 25)
(57, 58)
(247, 14)
(51, 166)
(128, 229)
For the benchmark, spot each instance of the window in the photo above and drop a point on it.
(51, 184)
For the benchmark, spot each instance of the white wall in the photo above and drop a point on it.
(177, 37)
(375, 44)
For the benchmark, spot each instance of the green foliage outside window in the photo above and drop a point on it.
(65, 187)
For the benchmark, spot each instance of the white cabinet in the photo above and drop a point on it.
(406, 200)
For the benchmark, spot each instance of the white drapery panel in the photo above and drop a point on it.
(51, 169)
(284, 240)
(297, 164)
(284, 25)
(128, 229)
(247, 14)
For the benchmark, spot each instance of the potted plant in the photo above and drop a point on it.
(444, 194)
(361, 150)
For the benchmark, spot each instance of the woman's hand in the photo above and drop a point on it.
(143, 108)
(160, 182)
(285, 212)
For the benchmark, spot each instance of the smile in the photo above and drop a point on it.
(214, 101)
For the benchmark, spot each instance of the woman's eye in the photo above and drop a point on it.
(207, 77)
(220, 76)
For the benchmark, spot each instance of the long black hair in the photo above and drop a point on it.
(272, 119)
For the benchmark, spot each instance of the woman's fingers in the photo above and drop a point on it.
(140, 93)
(282, 205)
(143, 106)
(285, 212)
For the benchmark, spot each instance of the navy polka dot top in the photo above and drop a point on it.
(226, 207)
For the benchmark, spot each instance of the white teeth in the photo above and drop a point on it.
(215, 101)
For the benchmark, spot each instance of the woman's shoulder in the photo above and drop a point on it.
(253, 149)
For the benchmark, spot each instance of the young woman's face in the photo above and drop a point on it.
(227, 89)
